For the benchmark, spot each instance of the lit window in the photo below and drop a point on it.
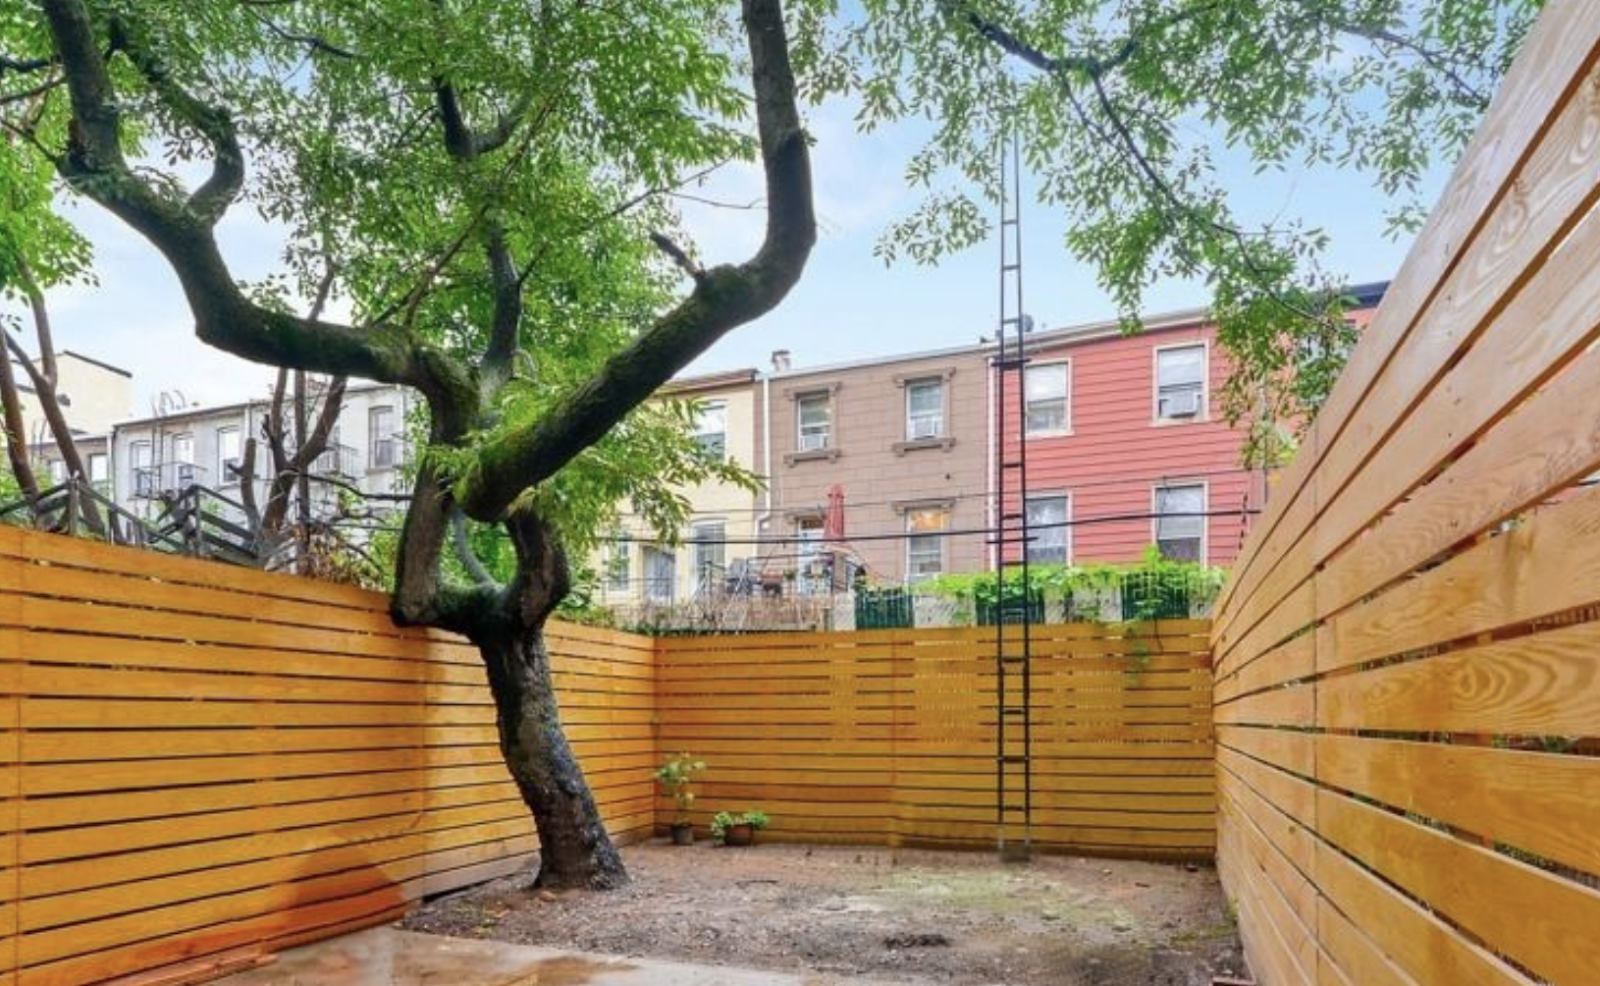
(1047, 525)
(924, 409)
(815, 412)
(1045, 392)
(925, 546)
(711, 428)
(1180, 522)
(1180, 382)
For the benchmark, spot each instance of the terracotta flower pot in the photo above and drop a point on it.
(682, 834)
(739, 835)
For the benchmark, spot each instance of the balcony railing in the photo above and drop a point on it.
(150, 482)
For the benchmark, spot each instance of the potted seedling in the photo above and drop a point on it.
(737, 828)
(675, 775)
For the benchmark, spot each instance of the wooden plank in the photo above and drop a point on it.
(1557, 58)
(1542, 803)
(1488, 894)
(1540, 684)
(1548, 565)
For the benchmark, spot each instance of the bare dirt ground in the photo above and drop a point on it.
(957, 919)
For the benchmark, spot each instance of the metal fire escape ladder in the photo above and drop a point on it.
(1012, 616)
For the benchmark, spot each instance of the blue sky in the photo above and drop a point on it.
(848, 306)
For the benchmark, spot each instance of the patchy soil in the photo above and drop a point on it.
(957, 919)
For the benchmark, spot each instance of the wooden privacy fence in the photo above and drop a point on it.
(888, 736)
(1408, 656)
(200, 762)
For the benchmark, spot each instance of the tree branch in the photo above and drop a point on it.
(728, 296)
(95, 167)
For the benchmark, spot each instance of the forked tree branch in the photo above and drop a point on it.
(726, 297)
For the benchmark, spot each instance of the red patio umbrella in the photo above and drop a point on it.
(833, 520)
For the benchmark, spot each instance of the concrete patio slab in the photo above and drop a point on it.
(391, 957)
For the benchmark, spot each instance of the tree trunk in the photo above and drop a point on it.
(574, 847)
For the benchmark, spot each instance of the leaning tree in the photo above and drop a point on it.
(487, 180)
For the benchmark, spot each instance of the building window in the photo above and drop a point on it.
(710, 554)
(229, 459)
(382, 447)
(1180, 382)
(660, 574)
(809, 576)
(925, 546)
(58, 472)
(1044, 390)
(924, 409)
(1180, 523)
(618, 562)
(711, 429)
(1047, 525)
(815, 413)
(183, 456)
(100, 472)
(144, 478)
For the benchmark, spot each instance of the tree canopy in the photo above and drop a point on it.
(1132, 114)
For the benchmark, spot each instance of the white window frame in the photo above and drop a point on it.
(376, 440)
(1066, 531)
(182, 476)
(941, 538)
(619, 563)
(57, 469)
(1066, 399)
(800, 401)
(1204, 411)
(226, 476)
(698, 557)
(1205, 509)
(147, 468)
(702, 436)
(104, 459)
(938, 417)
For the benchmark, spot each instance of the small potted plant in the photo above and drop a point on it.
(675, 775)
(737, 828)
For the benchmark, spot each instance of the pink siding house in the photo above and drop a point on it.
(1127, 446)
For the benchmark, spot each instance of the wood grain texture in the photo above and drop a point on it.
(197, 759)
(1408, 655)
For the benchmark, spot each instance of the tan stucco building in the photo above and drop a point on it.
(635, 568)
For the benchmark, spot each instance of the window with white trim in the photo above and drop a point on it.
(383, 450)
(711, 428)
(100, 471)
(619, 558)
(1047, 525)
(925, 545)
(183, 456)
(924, 409)
(229, 458)
(1181, 382)
(710, 553)
(1180, 522)
(1044, 388)
(815, 415)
